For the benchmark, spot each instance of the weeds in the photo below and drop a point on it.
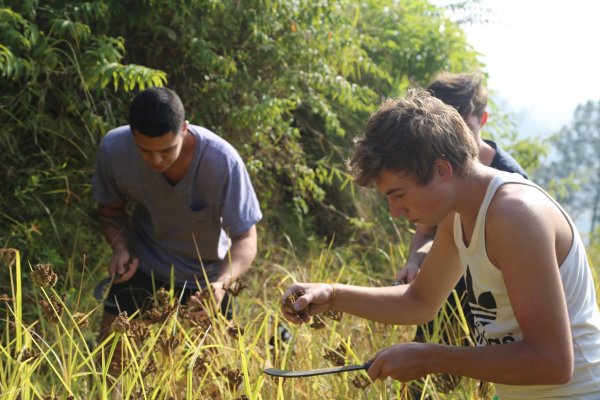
(168, 353)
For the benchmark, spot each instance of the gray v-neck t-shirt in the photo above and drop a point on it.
(186, 225)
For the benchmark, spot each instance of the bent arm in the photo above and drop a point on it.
(526, 241)
(526, 236)
(529, 238)
(113, 225)
(415, 303)
(420, 245)
(240, 257)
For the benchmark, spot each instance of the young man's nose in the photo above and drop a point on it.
(155, 158)
(396, 210)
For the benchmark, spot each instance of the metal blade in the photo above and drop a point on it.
(313, 372)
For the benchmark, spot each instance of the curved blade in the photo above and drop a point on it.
(313, 372)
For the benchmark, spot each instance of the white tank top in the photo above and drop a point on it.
(495, 322)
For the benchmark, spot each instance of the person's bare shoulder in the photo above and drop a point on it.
(518, 205)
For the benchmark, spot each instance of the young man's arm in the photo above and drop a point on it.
(238, 261)
(113, 225)
(411, 304)
(524, 240)
(420, 245)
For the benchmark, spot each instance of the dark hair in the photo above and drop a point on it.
(465, 92)
(409, 134)
(156, 111)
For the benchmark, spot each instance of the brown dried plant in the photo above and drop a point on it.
(169, 344)
(42, 275)
(334, 315)
(150, 368)
(234, 377)
(234, 288)
(52, 309)
(121, 324)
(162, 298)
(81, 320)
(8, 256)
(158, 315)
(200, 365)
(29, 355)
(139, 330)
(317, 322)
(290, 300)
(360, 382)
(337, 356)
(235, 331)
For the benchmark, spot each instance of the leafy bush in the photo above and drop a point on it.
(288, 83)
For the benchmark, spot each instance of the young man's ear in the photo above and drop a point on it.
(484, 118)
(443, 169)
(186, 125)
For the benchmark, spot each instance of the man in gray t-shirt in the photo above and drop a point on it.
(192, 206)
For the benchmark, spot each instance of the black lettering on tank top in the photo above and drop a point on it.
(484, 309)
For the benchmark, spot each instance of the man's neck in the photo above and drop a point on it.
(486, 152)
(180, 167)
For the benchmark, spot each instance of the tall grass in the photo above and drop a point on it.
(53, 353)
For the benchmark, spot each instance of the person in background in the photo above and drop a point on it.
(529, 283)
(175, 203)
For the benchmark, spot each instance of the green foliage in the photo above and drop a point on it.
(54, 108)
(288, 83)
(572, 171)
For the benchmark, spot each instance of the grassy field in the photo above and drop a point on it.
(49, 348)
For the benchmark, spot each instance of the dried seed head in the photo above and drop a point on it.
(142, 394)
(201, 325)
(160, 314)
(235, 331)
(234, 288)
(42, 275)
(139, 331)
(292, 297)
(202, 294)
(81, 320)
(8, 256)
(29, 355)
(317, 322)
(334, 358)
(337, 356)
(5, 298)
(192, 311)
(121, 324)
(360, 382)
(200, 367)
(52, 309)
(169, 344)
(162, 298)
(334, 315)
(150, 368)
(234, 377)
(290, 300)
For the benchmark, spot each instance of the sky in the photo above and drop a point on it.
(542, 57)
